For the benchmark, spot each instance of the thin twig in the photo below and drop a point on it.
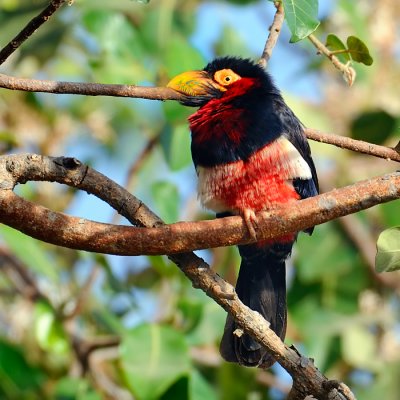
(102, 378)
(349, 73)
(163, 93)
(358, 146)
(29, 29)
(88, 89)
(20, 276)
(273, 36)
(83, 347)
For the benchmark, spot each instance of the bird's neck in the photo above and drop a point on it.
(233, 128)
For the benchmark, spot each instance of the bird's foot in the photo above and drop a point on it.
(251, 221)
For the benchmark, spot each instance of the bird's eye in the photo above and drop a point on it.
(226, 77)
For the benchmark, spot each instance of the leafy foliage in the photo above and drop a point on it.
(153, 358)
(356, 49)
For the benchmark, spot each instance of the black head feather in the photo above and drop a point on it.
(244, 67)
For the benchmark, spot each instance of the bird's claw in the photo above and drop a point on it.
(251, 222)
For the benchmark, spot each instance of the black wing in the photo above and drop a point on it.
(293, 130)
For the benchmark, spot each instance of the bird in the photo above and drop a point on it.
(251, 154)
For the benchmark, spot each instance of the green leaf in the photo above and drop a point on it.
(333, 43)
(166, 198)
(209, 325)
(29, 251)
(15, 370)
(119, 44)
(49, 331)
(199, 388)
(359, 347)
(175, 143)
(181, 56)
(153, 358)
(73, 388)
(374, 126)
(301, 17)
(359, 51)
(388, 250)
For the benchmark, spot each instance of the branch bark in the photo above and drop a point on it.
(21, 168)
(349, 73)
(273, 36)
(89, 89)
(78, 233)
(358, 146)
(164, 93)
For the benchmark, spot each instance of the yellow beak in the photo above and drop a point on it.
(195, 83)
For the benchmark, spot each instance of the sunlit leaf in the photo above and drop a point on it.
(301, 17)
(358, 50)
(388, 250)
(153, 358)
(73, 388)
(359, 347)
(49, 331)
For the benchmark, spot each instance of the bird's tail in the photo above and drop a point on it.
(261, 285)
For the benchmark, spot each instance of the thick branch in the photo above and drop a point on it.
(29, 29)
(78, 233)
(20, 168)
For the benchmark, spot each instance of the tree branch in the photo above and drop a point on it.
(88, 89)
(78, 233)
(349, 73)
(29, 29)
(273, 36)
(163, 93)
(358, 146)
(21, 168)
